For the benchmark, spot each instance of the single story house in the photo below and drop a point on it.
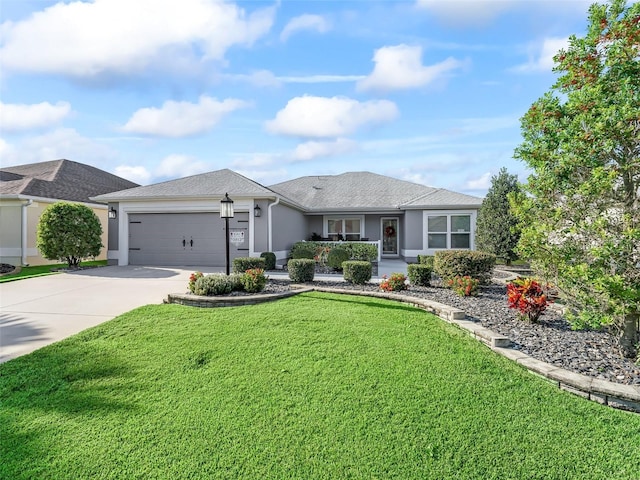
(26, 190)
(178, 222)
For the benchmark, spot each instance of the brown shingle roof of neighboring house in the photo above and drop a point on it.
(60, 180)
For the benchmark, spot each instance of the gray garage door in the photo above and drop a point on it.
(185, 239)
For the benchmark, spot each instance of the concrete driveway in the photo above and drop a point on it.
(38, 311)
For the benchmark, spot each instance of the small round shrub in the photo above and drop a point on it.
(450, 264)
(303, 251)
(419, 274)
(426, 260)
(193, 278)
(357, 271)
(214, 284)
(336, 257)
(395, 283)
(254, 280)
(301, 269)
(269, 260)
(236, 281)
(242, 264)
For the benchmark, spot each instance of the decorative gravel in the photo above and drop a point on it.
(592, 353)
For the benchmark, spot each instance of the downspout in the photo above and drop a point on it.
(270, 225)
(24, 232)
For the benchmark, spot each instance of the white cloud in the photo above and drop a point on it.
(60, 143)
(86, 39)
(321, 78)
(541, 55)
(314, 149)
(480, 183)
(400, 67)
(181, 119)
(318, 117)
(177, 166)
(135, 174)
(314, 23)
(259, 78)
(15, 117)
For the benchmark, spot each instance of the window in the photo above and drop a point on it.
(344, 229)
(449, 231)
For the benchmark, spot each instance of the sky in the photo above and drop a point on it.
(429, 91)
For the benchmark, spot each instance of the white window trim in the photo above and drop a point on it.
(326, 218)
(473, 214)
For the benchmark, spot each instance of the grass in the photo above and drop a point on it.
(41, 270)
(314, 386)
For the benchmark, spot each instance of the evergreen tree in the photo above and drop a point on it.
(497, 228)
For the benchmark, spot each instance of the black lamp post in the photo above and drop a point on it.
(226, 212)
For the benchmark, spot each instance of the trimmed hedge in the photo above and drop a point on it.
(336, 256)
(419, 274)
(242, 264)
(426, 260)
(269, 260)
(214, 284)
(301, 269)
(303, 250)
(357, 271)
(357, 251)
(449, 264)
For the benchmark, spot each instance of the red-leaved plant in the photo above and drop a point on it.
(395, 283)
(464, 286)
(528, 297)
(193, 278)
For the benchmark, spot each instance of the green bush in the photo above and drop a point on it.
(395, 283)
(367, 252)
(449, 264)
(303, 250)
(269, 260)
(301, 269)
(336, 256)
(357, 271)
(236, 281)
(464, 286)
(214, 284)
(426, 260)
(254, 280)
(419, 274)
(242, 264)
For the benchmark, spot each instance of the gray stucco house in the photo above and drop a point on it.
(178, 222)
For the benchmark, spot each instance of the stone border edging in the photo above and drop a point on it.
(625, 397)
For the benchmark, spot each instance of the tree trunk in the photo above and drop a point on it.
(629, 336)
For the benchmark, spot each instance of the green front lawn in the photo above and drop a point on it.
(314, 386)
(41, 270)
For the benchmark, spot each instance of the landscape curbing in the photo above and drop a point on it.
(624, 397)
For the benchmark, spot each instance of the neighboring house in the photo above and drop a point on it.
(178, 222)
(26, 190)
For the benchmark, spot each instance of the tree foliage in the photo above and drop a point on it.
(497, 229)
(581, 219)
(69, 232)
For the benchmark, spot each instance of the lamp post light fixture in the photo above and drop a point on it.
(112, 213)
(257, 211)
(226, 212)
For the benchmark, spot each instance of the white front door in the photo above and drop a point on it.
(389, 236)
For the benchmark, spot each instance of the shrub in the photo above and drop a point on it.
(254, 280)
(464, 286)
(395, 283)
(214, 284)
(419, 274)
(69, 232)
(242, 264)
(236, 282)
(449, 264)
(367, 252)
(303, 250)
(528, 297)
(336, 256)
(269, 260)
(357, 271)
(192, 280)
(301, 269)
(426, 260)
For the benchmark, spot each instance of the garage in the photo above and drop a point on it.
(189, 239)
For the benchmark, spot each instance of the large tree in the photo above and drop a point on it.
(69, 232)
(497, 229)
(581, 219)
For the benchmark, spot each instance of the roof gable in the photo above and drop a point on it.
(60, 180)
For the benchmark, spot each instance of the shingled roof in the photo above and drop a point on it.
(368, 191)
(59, 179)
(211, 184)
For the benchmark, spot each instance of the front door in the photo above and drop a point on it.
(389, 236)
